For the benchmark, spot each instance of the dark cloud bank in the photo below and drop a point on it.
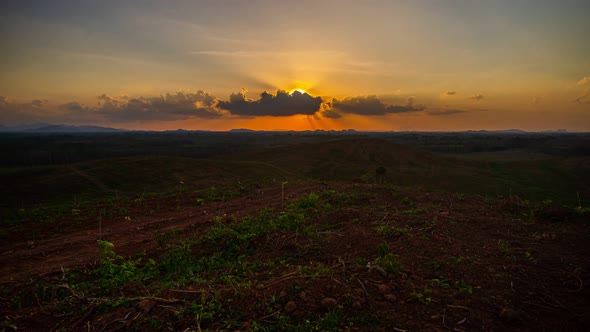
(12, 112)
(202, 105)
(371, 105)
(281, 104)
(169, 107)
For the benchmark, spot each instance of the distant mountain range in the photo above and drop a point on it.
(49, 128)
(60, 128)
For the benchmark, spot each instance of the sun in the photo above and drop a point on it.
(305, 87)
(298, 90)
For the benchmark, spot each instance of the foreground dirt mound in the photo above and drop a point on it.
(333, 256)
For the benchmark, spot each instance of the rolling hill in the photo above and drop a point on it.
(352, 159)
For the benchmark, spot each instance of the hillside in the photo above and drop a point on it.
(300, 237)
(330, 256)
(353, 159)
(357, 159)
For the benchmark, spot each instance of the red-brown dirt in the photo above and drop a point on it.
(466, 264)
(27, 253)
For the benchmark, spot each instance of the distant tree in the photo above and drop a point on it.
(380, 174)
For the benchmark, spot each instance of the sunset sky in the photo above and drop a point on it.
(281, 65)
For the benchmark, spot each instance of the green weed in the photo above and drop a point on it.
(390, 263)
(424, 297)
(115, 271)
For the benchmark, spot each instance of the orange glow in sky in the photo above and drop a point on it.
(379, 65)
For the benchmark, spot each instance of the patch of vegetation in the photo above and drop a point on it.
(407, 201)
(390, 230)
(424, 296)
(115, 271)
(390, 263)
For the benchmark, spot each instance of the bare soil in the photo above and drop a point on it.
(467, 264)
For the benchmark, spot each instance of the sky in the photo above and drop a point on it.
(437, 65)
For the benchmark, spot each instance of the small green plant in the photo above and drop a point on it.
(435, 266)
(309, 201)
(115, 271)
(582, 211)
(382, 249)
(464, 287)
(155, 323)
(414, 211)
(407, 201)
(504, 246)
(445, 284)
(440, 283)
(389, 230)
(458, 260)
(529, 257)
(212, 194)
(423, 297)
(390, 263)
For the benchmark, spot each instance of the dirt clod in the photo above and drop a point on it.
(290, 307)
(509, 316)
(384, 289)
(329, 303)
(390, 297)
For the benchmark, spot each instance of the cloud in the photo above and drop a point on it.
(264, 53)
(240, 54)
(170, 107)
(72, 107)
(281, 104)
(446, 112)
(371, 105)
(584, 80)
(326, 110)
(477, 97)
(584, 98)
(12, 112)
(451, 93)
(331, 114)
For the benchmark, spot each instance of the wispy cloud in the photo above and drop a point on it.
(584, 80)
(104, 57)
(446, 112)
(477, 97)
(451, 93)
(238, 54)
(208, 34)
(241, 53)
(584, 98)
